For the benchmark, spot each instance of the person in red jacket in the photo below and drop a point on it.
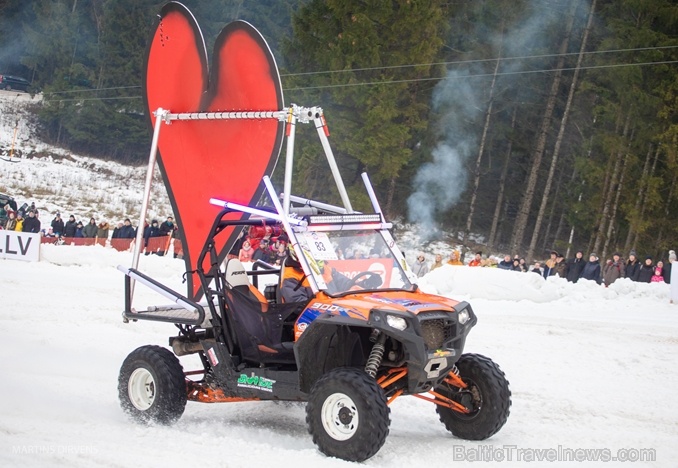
(476, 261)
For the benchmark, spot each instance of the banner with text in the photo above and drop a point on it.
(19, 245)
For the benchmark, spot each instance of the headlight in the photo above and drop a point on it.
(463, 316)
(398, 323)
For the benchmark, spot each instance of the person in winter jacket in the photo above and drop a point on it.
(151, 231)
(78, 230)
(646, 271)
(477, 260)
(549, 264)
(614, 269)
(506, 264)
(657, 277)
(246, 252)
(516, 265)
(19, 222)
(439, 262)
(70, 227)
(454, 259)
(420, 267)
(591, 270)
(58, 225)
(575, 266)
(560, 268)
(11, 221)
(91, 229)
(632, 266)
(167, 227)
(523, 265)
(536, 268)
(116, 231)
(263, 253)
(31, 224)
(102, 232)
(127, 231)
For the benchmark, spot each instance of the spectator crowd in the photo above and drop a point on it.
(270, 244)
(156, 237)
(573, 269)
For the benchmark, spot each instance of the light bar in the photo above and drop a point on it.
(254, 211)
(345, 219)
(350, 227)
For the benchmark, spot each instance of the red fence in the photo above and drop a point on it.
(156, 245)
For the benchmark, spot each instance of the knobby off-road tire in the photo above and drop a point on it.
(152, 386)
(487, 393)
(347, 414)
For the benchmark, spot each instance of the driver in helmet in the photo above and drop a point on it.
(296, 288)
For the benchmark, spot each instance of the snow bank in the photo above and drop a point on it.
(501, 285)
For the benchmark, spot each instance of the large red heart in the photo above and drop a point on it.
(224, 159)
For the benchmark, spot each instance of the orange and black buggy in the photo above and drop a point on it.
(339, 324)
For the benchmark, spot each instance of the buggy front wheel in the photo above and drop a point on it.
(347, 414)
(486, 397)
(152, 386)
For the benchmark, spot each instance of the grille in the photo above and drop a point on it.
(434, 332)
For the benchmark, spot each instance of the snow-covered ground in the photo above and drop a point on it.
(589, 367)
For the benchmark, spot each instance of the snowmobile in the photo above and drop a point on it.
(362, 337)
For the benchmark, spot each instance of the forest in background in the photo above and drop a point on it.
(529, 125)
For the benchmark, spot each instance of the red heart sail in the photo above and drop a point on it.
(202, 159)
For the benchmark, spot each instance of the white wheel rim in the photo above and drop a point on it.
(339, 416)
(141, 389)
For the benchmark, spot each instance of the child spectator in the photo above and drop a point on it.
(245, 254)
(78, 230)
(658, 277)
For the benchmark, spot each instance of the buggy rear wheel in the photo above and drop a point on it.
(487, 397)
(347, 414)
(152, 386)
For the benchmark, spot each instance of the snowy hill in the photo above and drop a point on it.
(57, 180)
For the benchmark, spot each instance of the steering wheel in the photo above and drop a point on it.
(372, 281)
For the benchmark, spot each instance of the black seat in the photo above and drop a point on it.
(259, 325)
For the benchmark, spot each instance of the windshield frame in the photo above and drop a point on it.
(383, 260)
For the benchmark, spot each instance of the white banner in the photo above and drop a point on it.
(19, 245)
